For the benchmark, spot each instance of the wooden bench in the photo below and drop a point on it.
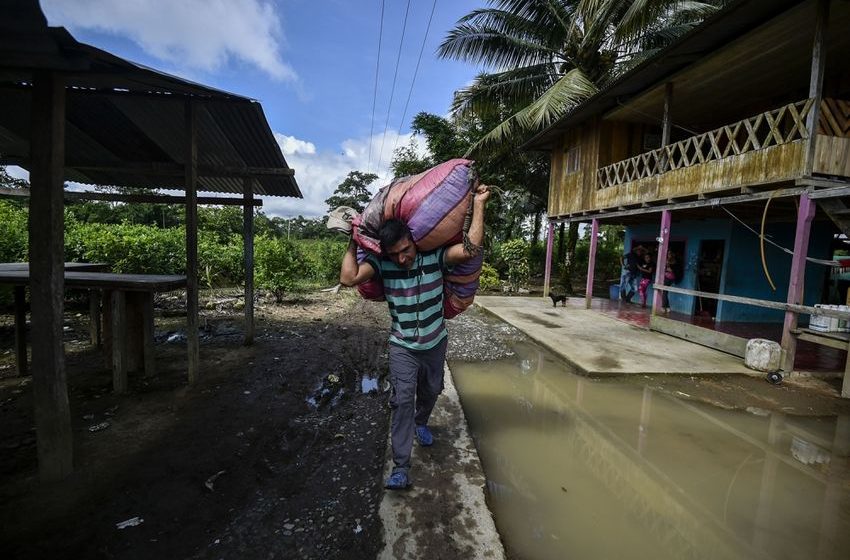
(128, 316)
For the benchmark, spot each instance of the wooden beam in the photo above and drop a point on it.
(735, 345)
(46, 256)
(830, 193)
(816, 81)
(132, 198)
(804, 309)
(248, 254)
(702, 203)
(191, 163)
(805, 215)
(591, 262)
(547, 274)
(164, 169)
(661, 262)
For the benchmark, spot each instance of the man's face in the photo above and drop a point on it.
(403, 253)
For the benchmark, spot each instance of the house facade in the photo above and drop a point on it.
(731, 148)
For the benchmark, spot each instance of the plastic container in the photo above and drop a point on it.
(833, 321)
(818, 322)
(614, 291)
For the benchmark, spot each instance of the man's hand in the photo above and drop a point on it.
(482, 193)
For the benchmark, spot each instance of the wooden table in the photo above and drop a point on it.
(128, 315)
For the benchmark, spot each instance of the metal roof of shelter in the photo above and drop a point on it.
(125, 123)
(733, 21)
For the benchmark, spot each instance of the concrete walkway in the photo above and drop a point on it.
(444, 514)
(600, 345)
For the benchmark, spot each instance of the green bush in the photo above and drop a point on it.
(325, 258)
(537, 257)
(514, 255)
(489, 279)
(14, 236)
(127, 248)
(279, 264)
(220, 260)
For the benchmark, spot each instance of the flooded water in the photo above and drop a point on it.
(586, 469)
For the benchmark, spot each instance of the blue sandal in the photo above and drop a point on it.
(398, 481)
(424, 436)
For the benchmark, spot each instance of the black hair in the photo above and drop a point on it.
(391, 232)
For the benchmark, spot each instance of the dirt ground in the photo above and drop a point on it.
(276, 453)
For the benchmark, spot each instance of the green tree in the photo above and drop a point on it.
(549, 55)
(353, 191)
(7, 180)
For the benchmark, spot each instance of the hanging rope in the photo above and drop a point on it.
(777, 245)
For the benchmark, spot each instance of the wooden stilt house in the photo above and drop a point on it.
(732, 147)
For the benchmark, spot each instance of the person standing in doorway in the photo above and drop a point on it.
(413, 286)
(645, 270)
(672, 275)
(630, 274)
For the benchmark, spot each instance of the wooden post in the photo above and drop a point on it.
(547, 275)
(591, 262)
(21, 330)
(795, 283)
(47, 281)
(248, 254)
(816, 83)
(148, 333)
(845, 384)
(191, 173)
(666, 123)
(94, 317)
(661, 263)
(664, 162)
(120, 355)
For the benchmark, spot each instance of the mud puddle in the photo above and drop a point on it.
(582, 468)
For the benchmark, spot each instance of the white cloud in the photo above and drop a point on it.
(319, 173)
(290, 145)
(196, 34)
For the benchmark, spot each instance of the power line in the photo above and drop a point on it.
(375, 94)
(392, 89)
(415, 72)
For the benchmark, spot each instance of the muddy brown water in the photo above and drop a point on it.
(581, 468)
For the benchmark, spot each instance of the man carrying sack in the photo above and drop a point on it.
(413, 287)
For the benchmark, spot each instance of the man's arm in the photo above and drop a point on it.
(353, 273)
(457, 254)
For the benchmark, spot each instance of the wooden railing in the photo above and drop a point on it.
(771, 128)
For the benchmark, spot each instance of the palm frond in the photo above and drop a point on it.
(489, 92)
(571, 89)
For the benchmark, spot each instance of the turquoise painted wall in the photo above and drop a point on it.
(742, 273)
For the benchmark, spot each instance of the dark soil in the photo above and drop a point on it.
(274, 453)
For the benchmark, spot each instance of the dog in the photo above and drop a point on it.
(556, 299)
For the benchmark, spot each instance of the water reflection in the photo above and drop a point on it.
(581, 468)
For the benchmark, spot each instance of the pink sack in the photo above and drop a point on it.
(434, 205)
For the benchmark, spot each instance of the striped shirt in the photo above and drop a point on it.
(415, 299)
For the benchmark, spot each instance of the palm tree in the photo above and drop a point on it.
(549, 55)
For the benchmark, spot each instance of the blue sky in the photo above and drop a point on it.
(311, 63)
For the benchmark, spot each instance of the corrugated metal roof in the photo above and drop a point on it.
(124, 115)
(734, 20)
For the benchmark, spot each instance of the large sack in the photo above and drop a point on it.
(434, 205)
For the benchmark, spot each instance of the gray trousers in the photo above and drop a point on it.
(416, 377)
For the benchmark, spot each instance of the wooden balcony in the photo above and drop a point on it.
(767, 148)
